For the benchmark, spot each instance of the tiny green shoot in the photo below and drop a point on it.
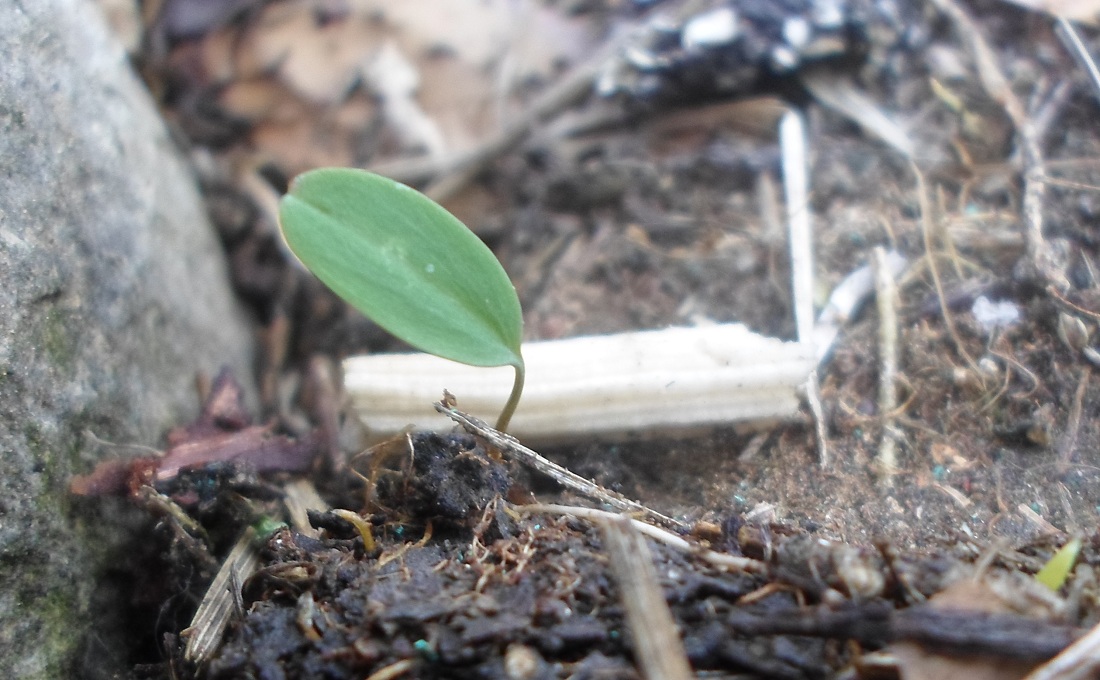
(1054, 573)
(405, 262)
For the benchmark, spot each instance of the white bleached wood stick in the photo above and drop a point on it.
(676, 378)
(792, 142)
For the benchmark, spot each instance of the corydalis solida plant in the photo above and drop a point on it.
(405, 262)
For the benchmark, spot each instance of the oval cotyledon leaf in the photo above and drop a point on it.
(406, 263)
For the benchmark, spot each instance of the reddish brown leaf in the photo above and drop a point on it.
(253, 445)
(113, 477)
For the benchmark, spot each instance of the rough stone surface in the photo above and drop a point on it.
(113, 295)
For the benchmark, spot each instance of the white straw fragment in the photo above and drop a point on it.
(671, 379)
(792, 141)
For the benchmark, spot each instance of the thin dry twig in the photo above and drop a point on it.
(792, 140)
(1042, 257)
(1068, 444)
(510, 446)
(813, 398)
(933, 268)
(837, 92)
(394, 670)
(886, 294)
(220, 602)
(657, 646)
(301, 497)
(1074, 44)
(716, 559)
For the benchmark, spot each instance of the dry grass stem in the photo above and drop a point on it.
(1068, 443)
(716, 559)
(926, 221)
(1042, 257)
(220, 602)
(509, 446)
(792, 141)
(846, 299)
(301, 497)
(838, 93)
(886, 296)
(658, 650)
(1073, 42)
(813, 398)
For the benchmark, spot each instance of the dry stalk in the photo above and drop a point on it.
(886, 296)
(1073, 42)
(934, 269)
(813, 398)
(673, 379)
(1044, 261)
(715, 559)
(301, 497)
(1068, 443)
(657, 646)
(510, 446)
(220, 601)
(792, 142)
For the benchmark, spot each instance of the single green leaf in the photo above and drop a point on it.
(1054, 573)
(405, 262)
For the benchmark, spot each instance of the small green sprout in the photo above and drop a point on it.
(1054, 573)
(405, 262)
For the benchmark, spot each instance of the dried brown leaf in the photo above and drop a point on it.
(259, 99)
(114, 476)
(321, 61)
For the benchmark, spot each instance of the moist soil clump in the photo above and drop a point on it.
(461, 583)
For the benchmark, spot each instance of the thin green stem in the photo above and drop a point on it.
(513, 399)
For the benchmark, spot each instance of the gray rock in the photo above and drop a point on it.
(113, 295)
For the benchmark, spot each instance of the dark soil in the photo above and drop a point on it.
(630, 227)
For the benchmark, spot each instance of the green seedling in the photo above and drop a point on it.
(405, 262)
(1054, 573)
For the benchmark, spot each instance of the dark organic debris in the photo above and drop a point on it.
(451, 478)
(736, 48)
(221, 434)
